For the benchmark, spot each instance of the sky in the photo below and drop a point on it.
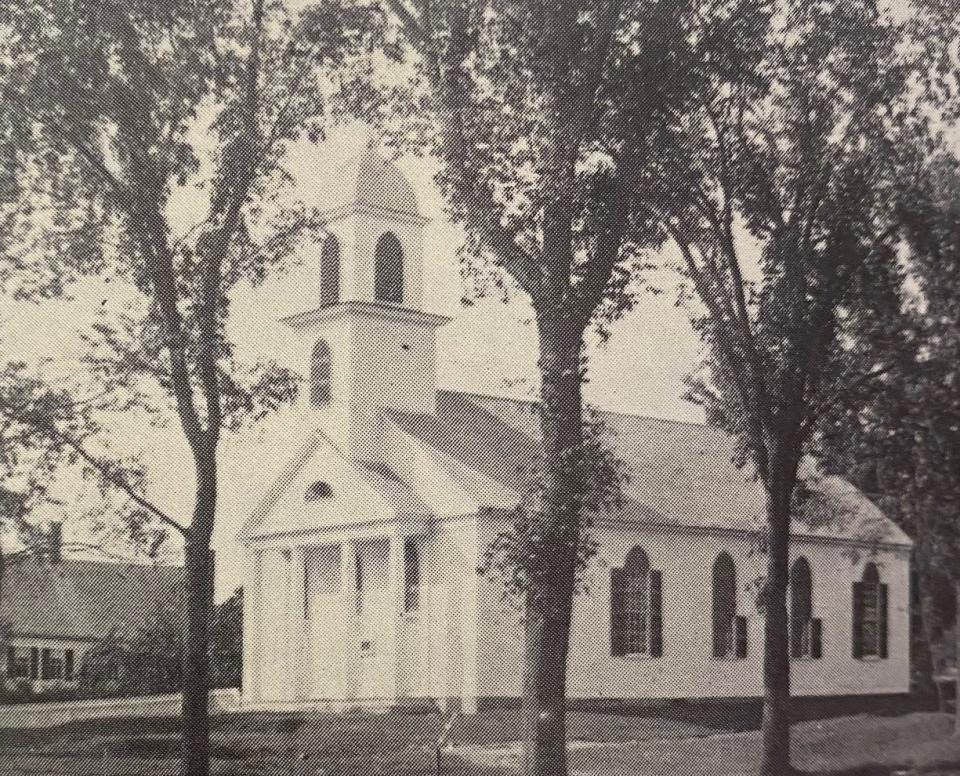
(489, 347)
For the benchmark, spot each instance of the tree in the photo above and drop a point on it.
(905, 445)
(795, 161)
(109, 111)
(548, 122)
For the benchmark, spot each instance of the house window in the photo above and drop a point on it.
(330, 272)
(320, 374)
(729, 629)
(411, 580)
(636, 607)
(18, 664)
(34, 662)
(870, 615)
(51, 666)
(806, 631)
(68, 665)
(388, 269)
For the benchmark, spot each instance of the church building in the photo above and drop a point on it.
(361, 585)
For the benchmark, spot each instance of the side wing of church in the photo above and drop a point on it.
(361, 583)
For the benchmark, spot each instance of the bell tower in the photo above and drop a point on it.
(369, 343)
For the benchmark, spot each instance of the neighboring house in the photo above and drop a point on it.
(361, 582)
(53, 609)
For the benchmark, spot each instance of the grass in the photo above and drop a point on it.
(257, 744)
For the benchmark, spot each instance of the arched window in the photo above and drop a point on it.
(330, 272)
(724, 606)
(320, 374)
(636, 607)
(388, 269)
(870, 615)
(805, 630)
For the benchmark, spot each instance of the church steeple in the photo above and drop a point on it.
(371, 344)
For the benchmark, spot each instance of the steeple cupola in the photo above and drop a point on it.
(371, 345)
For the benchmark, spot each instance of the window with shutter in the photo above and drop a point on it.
(34, 663)
(801, 609)
(636, 616)
(68, 665)
(11, 662)
(816, 639)
(741, 635)
(411, 563)
(656, 614)
(870, 615)
(857, 606)
(616, 612)
(724, 606)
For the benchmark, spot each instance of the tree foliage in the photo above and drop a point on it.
(780, 201)
(110, 111)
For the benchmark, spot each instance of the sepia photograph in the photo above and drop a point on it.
(479, 387)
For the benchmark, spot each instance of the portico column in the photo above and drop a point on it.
(296, 629)
(252, 625)
(395, 588)
(348, 609)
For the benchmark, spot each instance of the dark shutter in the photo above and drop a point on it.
(11, 662)
(34, 663)
(740, 628)
(858, 620)
(656, 614)
(68, 665)
(882, 618)
(45, 664)
(816, 638)
(617, 590)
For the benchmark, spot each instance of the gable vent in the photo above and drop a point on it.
(318, 491)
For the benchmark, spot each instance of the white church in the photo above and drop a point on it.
(361, 584)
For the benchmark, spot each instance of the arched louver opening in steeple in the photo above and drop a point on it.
(388, 269)
(320, 368)
(330, 272)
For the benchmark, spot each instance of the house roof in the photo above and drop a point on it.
(677, 473)
(79, 599)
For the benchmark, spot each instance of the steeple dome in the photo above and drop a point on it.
(369, 183)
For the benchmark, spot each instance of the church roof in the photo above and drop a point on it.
(79, 599)
(480, 452)
(677, 473)
(369, 181)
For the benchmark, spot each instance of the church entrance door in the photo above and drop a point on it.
(374, 609)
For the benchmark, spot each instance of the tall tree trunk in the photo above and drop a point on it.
(776, 656)
(956, 641)
(927, 619)
(550, 600)
(196, 654)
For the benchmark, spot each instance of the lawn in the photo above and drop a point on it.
(484, 745)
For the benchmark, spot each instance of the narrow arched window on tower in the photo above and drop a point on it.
(330, 272)
(320, 374)
(388, 269)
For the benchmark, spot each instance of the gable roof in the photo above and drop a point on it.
(677, 473)
(85, 600)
